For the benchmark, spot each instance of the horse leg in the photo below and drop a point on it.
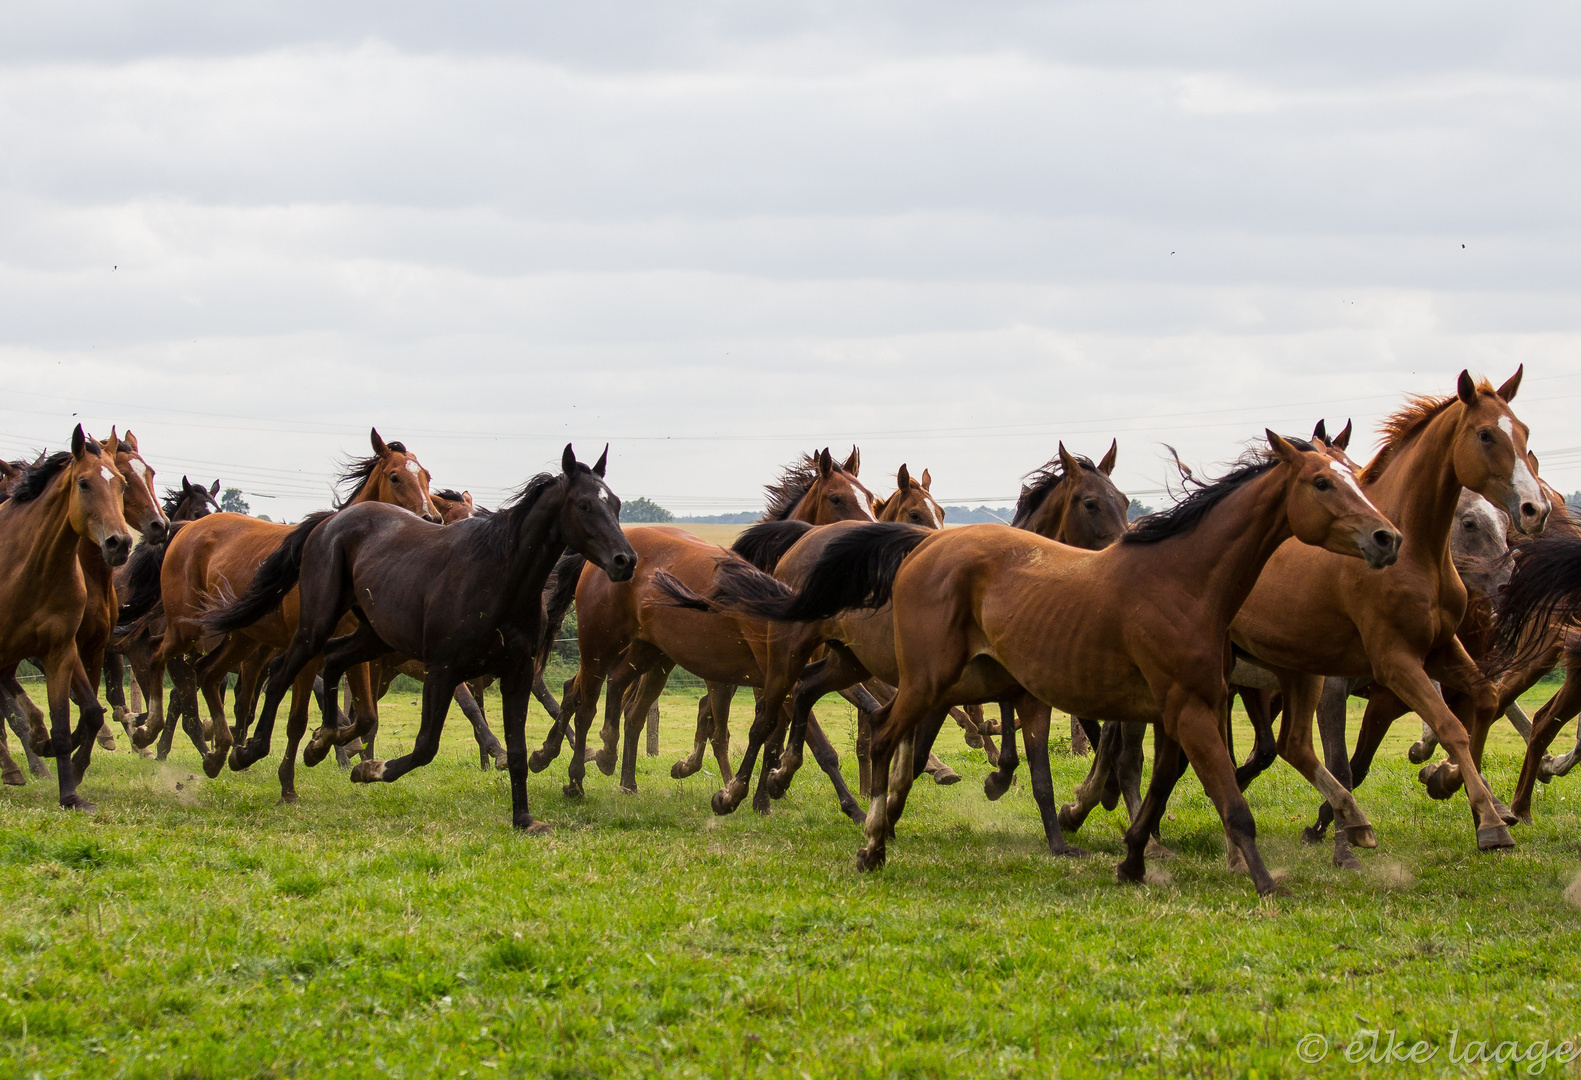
(90, 718)
(153, 721)
(439, 689)
(1301, 693)
(295, 728)
(1080, 746)
(1128, 778)
(1477, 698)
(1090, 791)
(649, 687)
(996, 783)
(1169, 765)
(113, 671)
(909, 759)
(1197, 731)
(588, 684)
(59, 668)
(1035, 730)
(1331, 723)
(19, 723)
(705, 723)
(614, 706)
(515, 694)
(969, 717)
(1551, 718)
(489, 747)
(835, 672)
(828, 760)
(1260, 711)
(540, 690)
(350, 657)
(728, 797)
(10, 774)
(864, 754)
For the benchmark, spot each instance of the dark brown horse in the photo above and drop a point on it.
(70, 496)
(465, 599)
(213, 560)
(982, 610)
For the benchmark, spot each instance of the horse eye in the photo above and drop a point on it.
(1321, 483)
(395, 478)
(1469, 524)
(835, 499)
(83, 483)
(1485, 435)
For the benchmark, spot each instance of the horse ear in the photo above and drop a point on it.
(214, 489)
(1106, 466)
(1342, 440)
(853, 464)
(128, 440)
(79, 443)
(902, 478)
(1320, 432)
(603, 459)
(1507, 391)
(1466, 388)
(1280, 447)
(825, 463)
(1531, 459)
(466, 497)
(378, 443)
(186, 486)
(568, 460)
(927, 480)
(1067, 462)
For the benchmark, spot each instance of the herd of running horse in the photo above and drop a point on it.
(1295, 580)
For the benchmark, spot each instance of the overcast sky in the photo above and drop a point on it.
(717, 235)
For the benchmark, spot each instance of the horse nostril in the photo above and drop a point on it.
(1384, 539)
(1529, 509)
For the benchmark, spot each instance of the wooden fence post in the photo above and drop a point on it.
(653, 730)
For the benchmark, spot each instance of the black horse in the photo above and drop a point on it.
(465, 599)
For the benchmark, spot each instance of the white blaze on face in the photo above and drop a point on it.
(414, 468)
(1345, 477)
(139, 468)
(104, 471)
(1527, 490)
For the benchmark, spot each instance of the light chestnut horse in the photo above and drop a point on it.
(66, 498)
(1312, 614)
(1136, 632)
(213, 560)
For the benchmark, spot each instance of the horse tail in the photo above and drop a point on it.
(856, 570)
(558, 595)
(143, 592)
(1545, 586)
(766, 543)
(276, 576)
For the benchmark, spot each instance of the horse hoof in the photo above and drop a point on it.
(13, 777)
(679, 771)
(1067, 851)
(868, 860)
(1494, 838)
(722, 804)
(1129, 875)
(1420, 752)
(776, 784)
(854, 812)
(79, 804)
(533, 827)
(106, 740)
(974, 742)
(287, 798)
(315, 751)
(1506, 815)
(605, 762)
(946, 776)
(763, 806)
(212, 764)
(624, 790)
(1436, 779)
(995, 786)
(1523, 814)
(1069, 819)
(1545, 769)
(1156, 851)
(1313, 834)
(367, 772)
(1272, 890)
(572, 791)
(502, 761)
(538, 761)
(1361, 836)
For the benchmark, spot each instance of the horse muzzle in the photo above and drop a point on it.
(116, 548)
(156, 530)
(1380, 547)
(621, 566)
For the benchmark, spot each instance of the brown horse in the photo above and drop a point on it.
(1313, 615)
(626, 629)
(69, 496)
(213, 560)
(1135, 632)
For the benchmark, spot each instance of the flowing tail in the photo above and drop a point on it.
(856, 570)
(766, 543)
(557, 597)
(276, 576)
(1546, 586)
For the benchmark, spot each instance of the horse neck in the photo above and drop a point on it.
(1221, 558)
(52, 542)
(536, 545)
(1418, 490)
(95, 571)
(1048, 519)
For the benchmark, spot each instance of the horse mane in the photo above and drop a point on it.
(1188, 513)
(794, 481)
(447, 494)
(171, 500)
(1405, 424)
(1039, 484)
(358, 471)
(498, 530)
(37, 477)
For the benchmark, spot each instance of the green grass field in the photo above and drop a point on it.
(194, 928)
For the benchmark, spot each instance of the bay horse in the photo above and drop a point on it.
(465, 599)
(69, 496)
(626, 630)
(213, 560)
(1137, 631)
(1312, 615)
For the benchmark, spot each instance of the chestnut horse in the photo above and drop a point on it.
(211, 561)
(983, 610)
(66, 498)
(1313, 615)
(465, 599)
(626, 630)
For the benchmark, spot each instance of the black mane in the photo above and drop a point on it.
(448, 494)
(358, 471)
(497, 529)
(1188, 513)
(793, 484)
(1039, 484)
(37, 477)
